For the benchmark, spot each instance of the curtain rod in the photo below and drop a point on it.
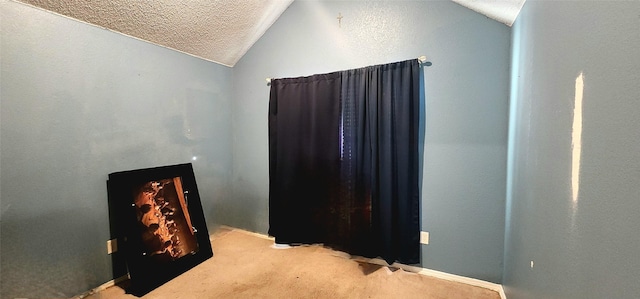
(421, 60)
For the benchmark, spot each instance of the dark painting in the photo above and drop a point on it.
(157, 215)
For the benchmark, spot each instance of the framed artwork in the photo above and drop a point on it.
(158, 220)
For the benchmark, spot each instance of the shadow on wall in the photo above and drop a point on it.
(242, 210)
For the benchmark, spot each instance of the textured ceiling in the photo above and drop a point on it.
(221, 31)
(504, 11)
(217, 30)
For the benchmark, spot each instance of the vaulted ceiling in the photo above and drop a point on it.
(221, 31)
(504, 11)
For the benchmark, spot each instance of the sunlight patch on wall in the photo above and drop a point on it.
(576, 142)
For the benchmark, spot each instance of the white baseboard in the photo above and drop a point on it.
(259, 235)
(502, 294)
(102, 287)
(428, 272)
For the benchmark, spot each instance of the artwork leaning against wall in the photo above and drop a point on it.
(157, 216)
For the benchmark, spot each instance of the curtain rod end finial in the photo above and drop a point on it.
(423, 60)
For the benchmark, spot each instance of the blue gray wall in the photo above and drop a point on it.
(77, 103)
(585, 246)
(466, 113)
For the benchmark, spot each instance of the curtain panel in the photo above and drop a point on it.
(343, 150)
(304, 156)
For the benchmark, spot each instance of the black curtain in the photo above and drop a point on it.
(304, 156)
(344, 161)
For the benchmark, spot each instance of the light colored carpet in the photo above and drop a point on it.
(245, 266)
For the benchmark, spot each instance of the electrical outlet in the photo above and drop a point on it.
(424, 237)
(112, 246)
